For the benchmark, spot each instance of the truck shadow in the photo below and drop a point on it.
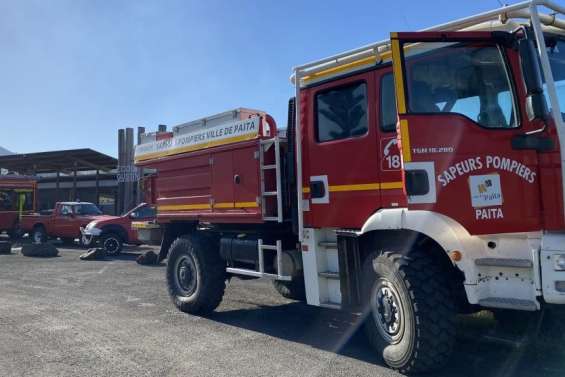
(341, 333)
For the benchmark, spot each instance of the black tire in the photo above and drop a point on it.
(293, 290)
(38, 234)
(410, 310)
(196, 275)
(15, 234)
(112, 243)
(5, 247)
(43, 250)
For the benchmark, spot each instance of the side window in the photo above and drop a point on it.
(145, 212)
(468, 79)
(66, 210)
(388, 103)
(28, 200)
(7, 200)
(341, 112)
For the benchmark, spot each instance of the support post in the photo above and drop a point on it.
(121, 142)
(74, 181)
(57, 188)
(128, 160)
(140, 172)
(97, 187)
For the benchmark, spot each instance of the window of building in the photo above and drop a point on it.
(341, 112)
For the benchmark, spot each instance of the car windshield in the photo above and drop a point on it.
(87, 209)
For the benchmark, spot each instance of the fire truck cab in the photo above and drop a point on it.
(17, 198)
(418, 178)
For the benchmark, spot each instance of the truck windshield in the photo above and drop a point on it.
(87, 210)
(556, 53)
(469, 79)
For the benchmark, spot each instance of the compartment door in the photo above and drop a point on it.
(246, 179)
(222, 181)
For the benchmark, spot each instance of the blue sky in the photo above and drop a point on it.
(73, 72)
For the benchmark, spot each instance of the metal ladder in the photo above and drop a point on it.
(261, 247)
(265, 145)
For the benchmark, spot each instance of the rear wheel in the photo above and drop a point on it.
(39, 235)
(15, 234)
(196, 275)
(411, 312)
(112, 243)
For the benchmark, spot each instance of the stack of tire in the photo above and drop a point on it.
(5, 247)
(41, 250)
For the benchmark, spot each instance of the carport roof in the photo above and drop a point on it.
(65, 161)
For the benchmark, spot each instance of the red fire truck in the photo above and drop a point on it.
(419, 177)
(17, 198)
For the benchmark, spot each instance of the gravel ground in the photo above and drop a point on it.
(66, 317)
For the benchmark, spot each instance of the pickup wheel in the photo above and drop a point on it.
(112, 243)
(38, 234)
(411, 311)
(15, 234)
(196, 275)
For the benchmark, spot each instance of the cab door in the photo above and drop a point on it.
(64, 223)
(340, 159)
(458, 115)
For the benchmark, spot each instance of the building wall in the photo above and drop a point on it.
(105, 196)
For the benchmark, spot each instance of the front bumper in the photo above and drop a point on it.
(89, 235)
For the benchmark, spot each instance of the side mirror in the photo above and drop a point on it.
(536, 106)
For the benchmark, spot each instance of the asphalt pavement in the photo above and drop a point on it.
(67, 317)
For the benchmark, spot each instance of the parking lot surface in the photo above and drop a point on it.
(66, 317)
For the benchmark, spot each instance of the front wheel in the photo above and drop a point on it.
(196, 275)
(39, 235)
(411, 313)
(111, 243)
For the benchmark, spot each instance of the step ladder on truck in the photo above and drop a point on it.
(408, 192)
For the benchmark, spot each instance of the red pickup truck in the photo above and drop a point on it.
(111, 232)
(63, 222)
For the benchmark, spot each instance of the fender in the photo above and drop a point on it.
(118, 229)
(448, 233)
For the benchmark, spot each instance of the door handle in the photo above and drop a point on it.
(535, 142)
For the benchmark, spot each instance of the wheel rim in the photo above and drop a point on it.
(387, 311)
(186, 275)
(111, 245)
(37, 236)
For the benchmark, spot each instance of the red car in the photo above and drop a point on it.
(63, 222)
(112, 232)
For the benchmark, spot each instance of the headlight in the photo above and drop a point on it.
(559, 262)
(91, 225)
